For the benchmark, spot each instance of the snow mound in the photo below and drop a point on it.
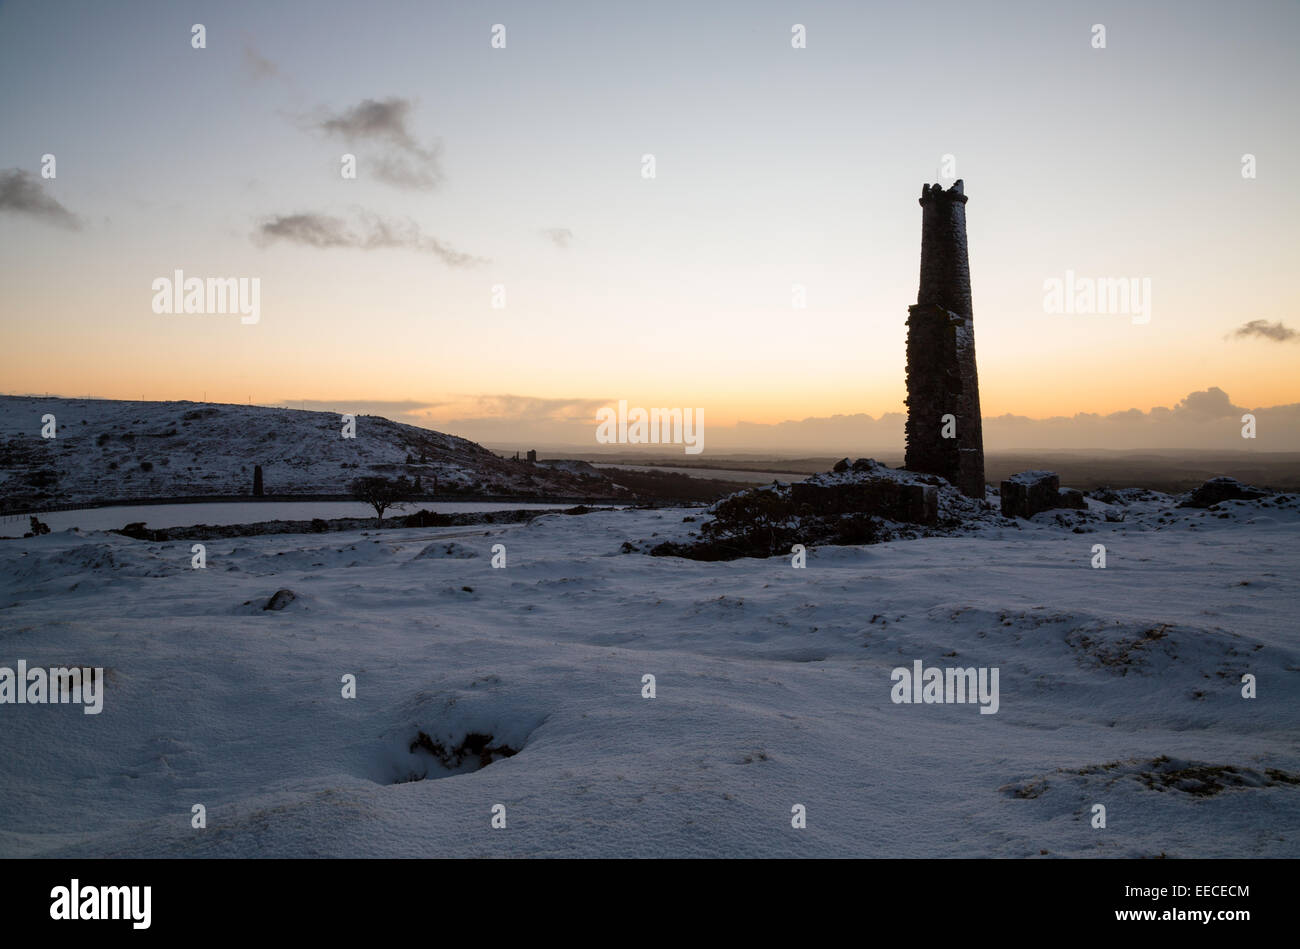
(446, 550)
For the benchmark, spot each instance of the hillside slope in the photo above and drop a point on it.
(111, 450)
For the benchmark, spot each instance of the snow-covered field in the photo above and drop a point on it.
(772, 684)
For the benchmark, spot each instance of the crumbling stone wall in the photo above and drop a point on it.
(941, 374)
(911, 503)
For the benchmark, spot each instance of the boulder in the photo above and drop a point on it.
(280, 599)
(1071, 498)
(1222, 489)
(1028, 493)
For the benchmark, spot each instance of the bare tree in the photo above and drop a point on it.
(380, 493)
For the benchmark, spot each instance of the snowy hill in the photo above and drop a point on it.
(110, 450)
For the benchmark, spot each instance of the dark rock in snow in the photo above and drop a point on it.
(1030, 492)
(280, 600)
(1222, 489)
(1027, 493)
(1071, 498)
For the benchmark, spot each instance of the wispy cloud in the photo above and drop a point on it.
(559, 236)
(258, 66)
(22, 192)
(372, 233)
(532, 408)
(403, 161)
(1277, 332)
(409, 411)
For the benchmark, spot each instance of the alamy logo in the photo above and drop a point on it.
(1099, 296)
(214, 295)
(103, 902)
(651, 427)
(56, 686)
(935, 686)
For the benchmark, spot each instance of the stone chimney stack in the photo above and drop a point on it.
(941, 376)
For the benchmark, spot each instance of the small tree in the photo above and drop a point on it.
(380, 493)
(257, 481)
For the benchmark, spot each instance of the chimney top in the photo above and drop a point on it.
(935, 193)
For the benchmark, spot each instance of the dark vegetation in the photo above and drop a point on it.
(475, 747)
(765, 522)
(381, 493)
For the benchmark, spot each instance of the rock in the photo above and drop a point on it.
(1222, 489)
(841, 465)
(280, 599)
(1030, 492)
(1071, 498)
(1027, 493)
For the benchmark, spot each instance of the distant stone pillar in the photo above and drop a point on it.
(941, 376)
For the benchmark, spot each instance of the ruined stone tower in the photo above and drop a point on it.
(941, 377)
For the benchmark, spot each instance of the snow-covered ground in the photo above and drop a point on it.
(773, 689)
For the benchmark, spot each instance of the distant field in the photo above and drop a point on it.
(1160, 471)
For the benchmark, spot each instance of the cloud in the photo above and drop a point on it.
(1266, 330)
(404, 163)
(559, 236)
(408, 411)
(373, 233)
(1212, 403)
(22, 191)
(1206, 420)
(258, 66)
(527, 408)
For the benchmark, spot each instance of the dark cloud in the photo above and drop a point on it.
(559, 236)
(1277, 332)
(373, 233)
(404, 162)
(316, 230)
(23, 192)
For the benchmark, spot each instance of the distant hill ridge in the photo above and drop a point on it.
(107, 450)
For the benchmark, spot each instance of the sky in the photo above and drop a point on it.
(516, 175)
